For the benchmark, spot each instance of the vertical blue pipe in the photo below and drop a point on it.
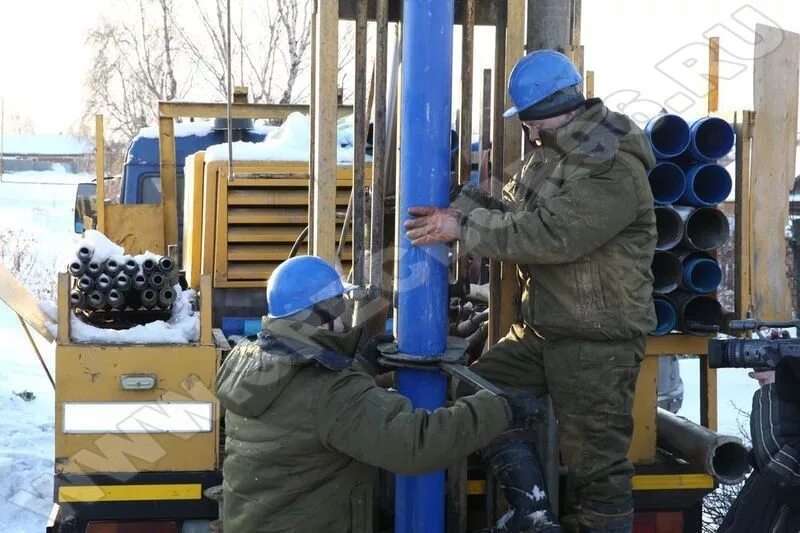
(422, 272)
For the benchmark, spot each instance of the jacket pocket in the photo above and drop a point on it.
(589, 297)
(361, 508)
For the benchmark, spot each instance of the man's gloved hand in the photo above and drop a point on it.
(432, 225)
(526, 409)
(368, 357)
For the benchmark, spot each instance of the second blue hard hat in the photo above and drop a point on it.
(299, 283)
(539, 76)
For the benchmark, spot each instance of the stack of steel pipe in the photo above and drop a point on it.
(687, 185)
(121, 282)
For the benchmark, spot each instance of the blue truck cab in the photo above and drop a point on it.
(141, 181)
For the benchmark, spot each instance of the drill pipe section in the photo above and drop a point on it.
(705, 228)
(669, 226)
(667, 271)
(667, 181)
(722, 456)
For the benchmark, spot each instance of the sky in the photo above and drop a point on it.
(43, 57)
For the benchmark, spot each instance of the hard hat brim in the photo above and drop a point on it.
(348, 287)
(510, 112)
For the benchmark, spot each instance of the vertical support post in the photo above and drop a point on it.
(169, 189)
(422, 280)
(589, 84)
(512, 151)
(312, 114)
(100, 171)
(713, 74)
(465, 122)
(496, 181)
(775, 94)
(743, 215)
(359, 141)
(62, 286)
(373, 312)
(327, 23)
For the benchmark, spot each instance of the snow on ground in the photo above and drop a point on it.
(35, 217)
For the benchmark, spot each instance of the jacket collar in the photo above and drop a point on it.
(344, 343)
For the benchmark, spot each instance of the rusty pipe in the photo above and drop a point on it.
(722, 456)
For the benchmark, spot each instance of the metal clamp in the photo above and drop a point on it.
(451, 362)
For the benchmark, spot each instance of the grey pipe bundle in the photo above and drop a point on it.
(121, 283)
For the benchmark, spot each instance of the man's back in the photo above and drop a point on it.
(278, 474)
(303, 428)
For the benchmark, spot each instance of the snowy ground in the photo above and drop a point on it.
(36, 214)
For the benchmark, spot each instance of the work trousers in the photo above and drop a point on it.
(591, 384)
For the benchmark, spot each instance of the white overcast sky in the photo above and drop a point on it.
(43, 57)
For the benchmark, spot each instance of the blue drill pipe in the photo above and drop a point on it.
(669, 226)
(701, 273)
(711, 138)
(707, 184)
(705, 228)
(667, 271)
(667, 181)
(668, 134)
(696, 312)
(666, 315)
(421, 318)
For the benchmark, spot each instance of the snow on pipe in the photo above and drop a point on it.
(166, 297)
(669, 226)
(667, 271)
(697, 312)
(85, 253)
(77, 268)
(707, 184)
(700, 272)
(722, 456)
(112, 267)
(421, 289)
(129, 266)
(705, 228)
(149, 298)
(666, 315)
(711, 138)
(667, 181)
(116, 299)
(668, 134)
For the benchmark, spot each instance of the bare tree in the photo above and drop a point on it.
(133, 67)
(296, 23)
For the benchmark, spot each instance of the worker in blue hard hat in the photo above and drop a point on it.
(578, 221)
(306, 425)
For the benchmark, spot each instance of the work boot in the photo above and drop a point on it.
(595, 517)
(515, 465)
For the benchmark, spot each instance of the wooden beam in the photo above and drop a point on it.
(589, 84)
(325, 129)
(465, 119)
(312, 115)
(255, 111)
(379, 145)
(100, 172)
(496, 181)
(169, 182)
(713, 74)
(64, 314)
(360, 121)
(512, 156)
(23, 303)
(743, 290)
(775, 94)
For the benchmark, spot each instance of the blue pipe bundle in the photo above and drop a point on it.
(687, 185)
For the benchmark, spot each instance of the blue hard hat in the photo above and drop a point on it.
(299, 283)
(537, 76)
